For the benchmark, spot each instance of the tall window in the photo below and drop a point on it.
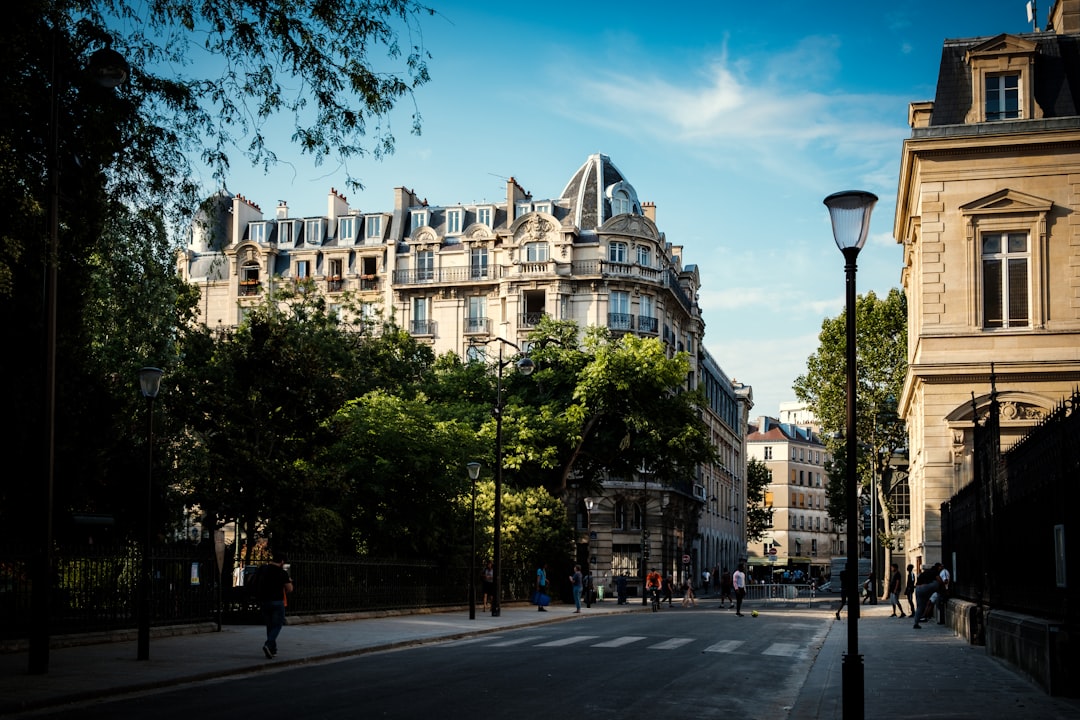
(617, 252)
(347, 229)
(453, 222)
(644, 256)
(478, 262)
(1005, 260)
(477, 319)
(619, 316)
(313, 232)
(536, 252)
(286, 232)
(425, 265)
(420, 323)
(768, 452)
(303, 269)
(1002, 97)
(483, 216)
(373, 225)
(335, 268)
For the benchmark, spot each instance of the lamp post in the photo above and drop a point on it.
(850, 215)
(149, 383)
(109, 70)
(525, 366)
(474, 473)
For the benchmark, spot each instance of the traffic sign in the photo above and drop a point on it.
(685, 559)
(772, 551)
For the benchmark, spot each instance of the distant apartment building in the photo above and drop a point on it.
(987, 212)
(455, 276)
(802, 536)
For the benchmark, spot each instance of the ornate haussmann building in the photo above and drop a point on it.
(987, 212)
(454, 275)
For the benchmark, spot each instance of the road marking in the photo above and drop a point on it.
(671, 644)
(619, 642)
(783, 650)
(568, 641)
(724, 646)
(515, 641)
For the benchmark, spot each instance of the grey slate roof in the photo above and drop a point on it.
(1057, 77)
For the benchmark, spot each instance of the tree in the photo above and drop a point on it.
(120, 165)
(604, 409)
(759, 515)
(881, 360)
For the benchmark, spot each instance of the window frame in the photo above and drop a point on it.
(1004, 259)
(618, 252)
(347, 228)
(531, 254)
(373, 227)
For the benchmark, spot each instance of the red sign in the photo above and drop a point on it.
(772, 551)
(685, 559)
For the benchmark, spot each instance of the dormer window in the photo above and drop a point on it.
(419, 218)
(621, 203)
(483, 216)
(522, 209)
(1003, 97)
(257, 232)
(286, 233)
(1002, 80)
(347, 229)
(543, 208)
(453, 222)
(313, 231)
(373, 227)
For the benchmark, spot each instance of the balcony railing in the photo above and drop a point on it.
(446, 275)
(249, 288)
(422, 327)
(647, 324)
(477, 326)
(369, 282)
(620, 321)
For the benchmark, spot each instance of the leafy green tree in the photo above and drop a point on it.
(119, 165)
(881, 361)
(759, 516)
(606, 408)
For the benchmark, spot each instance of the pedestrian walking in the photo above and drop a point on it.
(541, 586)
(726, 589)
(894, 590)
(689, 598)
(272, 586)
(487, 583)
(587, 588)
(738, 580)
(668, 588)
(909, 588)
(577, 582)
(620, 588)
(843, 592)
(705, 577)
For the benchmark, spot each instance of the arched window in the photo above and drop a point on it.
(620, 515)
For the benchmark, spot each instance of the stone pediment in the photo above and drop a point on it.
(1003, 44)
(1007, 201)
(536, 227)
(631, 226)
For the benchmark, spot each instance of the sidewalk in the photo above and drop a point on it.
(927, 673)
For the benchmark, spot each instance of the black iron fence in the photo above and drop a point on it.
(1007, 528)
(94, 588)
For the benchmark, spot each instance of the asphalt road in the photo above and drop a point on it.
(701, 663)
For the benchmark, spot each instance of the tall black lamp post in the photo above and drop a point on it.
(525, 366)
(474, 473)
(108, 69)
(149, 383)
(850, 215)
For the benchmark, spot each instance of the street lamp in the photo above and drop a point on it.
(474, 472)
(149, 383)
(850, 215)
(109, 70)
(525, 366)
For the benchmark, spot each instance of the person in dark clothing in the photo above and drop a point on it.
(925, 585)
(272, 586)
(909, 587)
(843, 592)
(620, 588)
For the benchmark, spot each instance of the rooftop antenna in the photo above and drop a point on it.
(1033, 12)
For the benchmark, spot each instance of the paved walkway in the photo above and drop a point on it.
(928, 673)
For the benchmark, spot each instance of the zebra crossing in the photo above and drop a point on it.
(797, 651)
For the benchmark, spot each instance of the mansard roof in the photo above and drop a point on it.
(1056, 74)
(588, 193)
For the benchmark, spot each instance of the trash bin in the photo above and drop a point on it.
(599, 593)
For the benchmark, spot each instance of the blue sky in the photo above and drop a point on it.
(736, 119)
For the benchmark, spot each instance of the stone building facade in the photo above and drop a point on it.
(987, 213)
(456, 276)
